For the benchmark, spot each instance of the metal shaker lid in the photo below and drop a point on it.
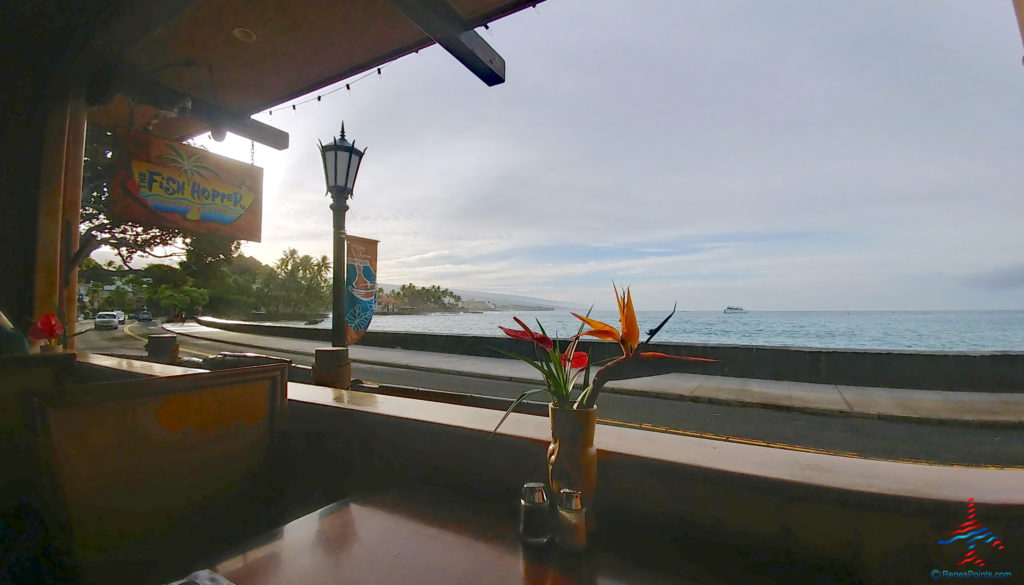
(570, 499)
(533, 493)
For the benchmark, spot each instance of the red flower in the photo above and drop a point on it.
(48, 327)
(579, 360)
(528, 335)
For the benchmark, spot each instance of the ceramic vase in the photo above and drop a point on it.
(572, 458)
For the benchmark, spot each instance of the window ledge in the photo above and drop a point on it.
(942, 483)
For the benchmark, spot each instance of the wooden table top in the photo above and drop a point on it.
(427, 537)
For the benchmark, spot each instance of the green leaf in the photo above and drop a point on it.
(516, 403)
(536, 365)
(582, 399)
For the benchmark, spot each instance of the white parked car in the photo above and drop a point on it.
(120, 316)
(105, 320)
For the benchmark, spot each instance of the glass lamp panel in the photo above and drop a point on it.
(353, 168)
(332, 164)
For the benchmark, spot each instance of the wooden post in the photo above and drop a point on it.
(331, 367)
(74, 159)
(49, 225)
(163, 348)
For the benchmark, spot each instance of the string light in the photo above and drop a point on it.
(319, 97)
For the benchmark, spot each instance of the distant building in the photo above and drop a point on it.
(473, 305)
(386, 305)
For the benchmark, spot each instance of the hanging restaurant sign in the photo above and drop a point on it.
(171, 185)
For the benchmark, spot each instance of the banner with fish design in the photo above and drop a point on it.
(170, 185)
(360, 287)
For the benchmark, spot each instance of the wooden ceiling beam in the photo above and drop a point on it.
(442, 23)
(151, 92)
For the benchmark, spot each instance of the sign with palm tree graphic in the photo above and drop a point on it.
(171, 185)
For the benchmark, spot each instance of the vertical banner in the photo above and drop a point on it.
(360, 287)
(170, 185)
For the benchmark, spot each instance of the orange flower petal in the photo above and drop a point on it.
(630, 329)
(602, 334)
(597, 326)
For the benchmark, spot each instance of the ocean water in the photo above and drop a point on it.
(911, 330)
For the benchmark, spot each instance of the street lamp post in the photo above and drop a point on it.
(341, 165)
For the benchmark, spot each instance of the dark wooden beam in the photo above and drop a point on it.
(442, 23)
(146, 90)
(243, 126)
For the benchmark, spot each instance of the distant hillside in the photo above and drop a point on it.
(501, 301)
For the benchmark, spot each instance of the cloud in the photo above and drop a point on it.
(1001, 278)
(784, 155)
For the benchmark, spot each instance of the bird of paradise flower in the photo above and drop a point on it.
(633, 363)
(971, 532)
(562, 371)
(191, 166)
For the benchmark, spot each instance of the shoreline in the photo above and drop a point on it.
(957, 331)
(958, 371)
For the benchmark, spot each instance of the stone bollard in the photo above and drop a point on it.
(331, 367)
(163, 348)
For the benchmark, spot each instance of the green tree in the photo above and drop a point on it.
(182, 298)
(120, 298)
(98, 228)
(297, 284)
(206, 255)
(95, 294)
(432, 297)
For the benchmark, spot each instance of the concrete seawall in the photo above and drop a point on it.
(955, 371)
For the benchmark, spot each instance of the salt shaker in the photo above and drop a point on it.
(534, 514)
(572, 520)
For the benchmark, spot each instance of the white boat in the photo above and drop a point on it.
(734, 310)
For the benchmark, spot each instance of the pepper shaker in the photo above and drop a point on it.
(534, 514)
(572, 520)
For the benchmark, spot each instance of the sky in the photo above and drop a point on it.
(784, 155)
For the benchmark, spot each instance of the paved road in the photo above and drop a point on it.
(862, 437)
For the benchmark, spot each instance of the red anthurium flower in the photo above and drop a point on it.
(579, 360)
(528, 335)
(47, 327)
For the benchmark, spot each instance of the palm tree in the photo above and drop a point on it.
(323, 270)
(304, 267)
(286, 261)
